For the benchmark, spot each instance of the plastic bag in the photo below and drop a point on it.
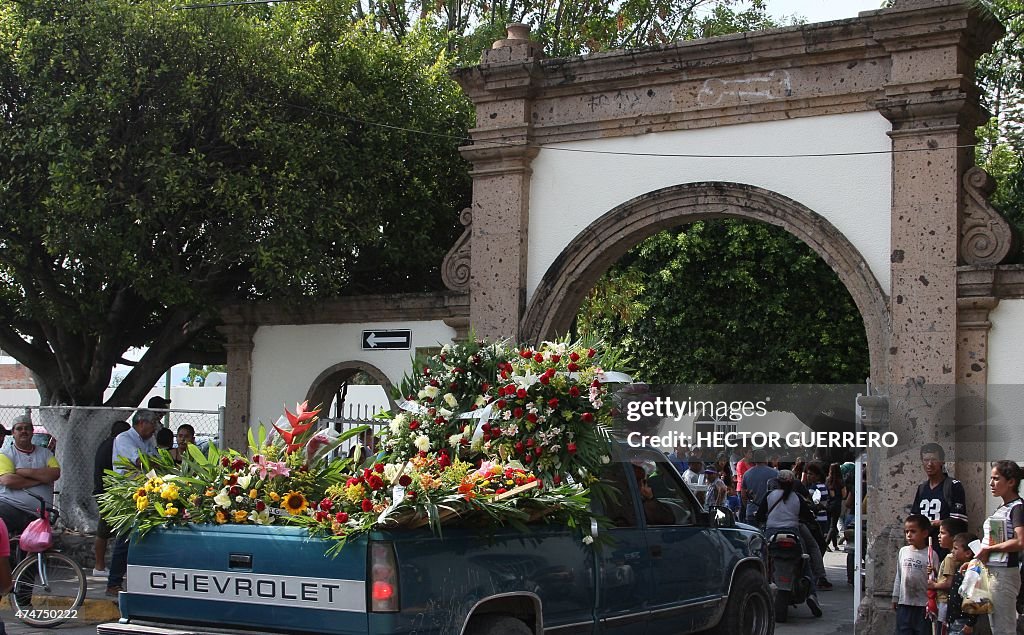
(976, 590)
(37, 536)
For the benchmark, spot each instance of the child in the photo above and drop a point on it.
(910, 588)
(958, 622)
(732, 501)
(948, 528)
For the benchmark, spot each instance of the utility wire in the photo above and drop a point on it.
(480, 142)
(239, 3)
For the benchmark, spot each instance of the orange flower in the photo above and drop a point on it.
(221, 517)
(240, 515)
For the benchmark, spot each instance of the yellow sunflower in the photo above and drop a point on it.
(294, 503)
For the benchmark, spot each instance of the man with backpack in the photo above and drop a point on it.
(940, 496)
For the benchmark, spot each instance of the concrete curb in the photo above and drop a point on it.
(93, 610)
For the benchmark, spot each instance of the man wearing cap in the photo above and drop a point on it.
(25, 469)
(131, 445)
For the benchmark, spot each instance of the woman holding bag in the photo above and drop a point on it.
(1001, 546)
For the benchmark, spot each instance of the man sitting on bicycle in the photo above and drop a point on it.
(25, 469)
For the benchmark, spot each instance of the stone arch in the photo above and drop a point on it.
(321, 391)
(571, 276)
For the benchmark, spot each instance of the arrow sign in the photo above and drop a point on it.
(395, 339)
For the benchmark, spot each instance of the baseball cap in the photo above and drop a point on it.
(158, 403)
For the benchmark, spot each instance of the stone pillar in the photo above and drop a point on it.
(931, 101)
(501, 155)
(238, 346)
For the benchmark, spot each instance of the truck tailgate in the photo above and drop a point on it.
(243, 576)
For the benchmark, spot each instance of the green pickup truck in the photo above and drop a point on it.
(676, 569)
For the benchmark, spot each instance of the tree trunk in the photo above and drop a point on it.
(78, 432)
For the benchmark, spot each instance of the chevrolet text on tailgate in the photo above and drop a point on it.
(662, 565)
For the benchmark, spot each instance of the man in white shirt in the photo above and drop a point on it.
(694, 474)
(130, 445)
(25, 469)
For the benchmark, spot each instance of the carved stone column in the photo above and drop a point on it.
(501, 154)
(931, 101)
(238, 397)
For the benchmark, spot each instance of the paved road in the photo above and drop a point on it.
(837, 606)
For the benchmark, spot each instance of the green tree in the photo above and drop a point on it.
(158, 164)
(729, 301)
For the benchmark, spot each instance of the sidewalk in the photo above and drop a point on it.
(97, 608)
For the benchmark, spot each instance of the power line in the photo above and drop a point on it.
(479, 142)
(239, 3)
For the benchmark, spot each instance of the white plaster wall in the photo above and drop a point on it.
(287, 359)
(570, 190)
(1006, 382)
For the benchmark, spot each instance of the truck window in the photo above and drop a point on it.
(668, 491)
(617, 506)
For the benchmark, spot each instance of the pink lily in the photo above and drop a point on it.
(272, 468)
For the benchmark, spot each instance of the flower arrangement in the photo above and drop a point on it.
(488, 434)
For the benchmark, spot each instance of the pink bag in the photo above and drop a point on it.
(37, 537)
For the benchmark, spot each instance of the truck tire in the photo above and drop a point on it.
(497, 625)
(749, 610)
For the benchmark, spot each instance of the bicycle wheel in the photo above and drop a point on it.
(49, 597)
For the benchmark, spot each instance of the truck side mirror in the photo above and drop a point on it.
(722, 517)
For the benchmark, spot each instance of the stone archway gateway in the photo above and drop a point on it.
(853, 135)
(575, 271)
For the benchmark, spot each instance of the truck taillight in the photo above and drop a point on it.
(383, 578)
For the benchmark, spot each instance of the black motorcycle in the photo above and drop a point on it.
(790, 574)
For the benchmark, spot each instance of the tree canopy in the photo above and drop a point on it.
(160, 163)
(729, 301)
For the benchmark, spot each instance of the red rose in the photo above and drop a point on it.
(556, 479)
(500, 490)
(521, 393)
(571, 448)
(587, 417)
(574, 391)
(414, 424)
(326, 505)
(484, 387)
(411, 495)
(572, 367)
(366, 473)
(544, 379)
(574, 356)
(235, 490)
(260, 506)
(591, 352)
(526, 353)
(532, 417)
(538, 358)
(366, 505)
(500, 404)
(341, 517)
(555, 359)
(519, 447)
(453, 386)
(442, 461)
(553, 402)
(529, 443)
(378, 468)
(517, 413)
(238, 464)
(538, 450)
(225, 461)
(595, 384)
(528, 458)
(375, 482)
(322, 516)
(404, 480)
(495, 432)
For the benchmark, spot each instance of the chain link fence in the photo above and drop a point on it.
(77, 458)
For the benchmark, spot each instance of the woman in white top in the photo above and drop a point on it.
(1001, 546)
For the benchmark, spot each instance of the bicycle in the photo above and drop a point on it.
(49, 588)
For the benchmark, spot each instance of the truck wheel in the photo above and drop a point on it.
(497, 625)
(749, 610)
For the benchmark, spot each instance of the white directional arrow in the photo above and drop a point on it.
(373, 340)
